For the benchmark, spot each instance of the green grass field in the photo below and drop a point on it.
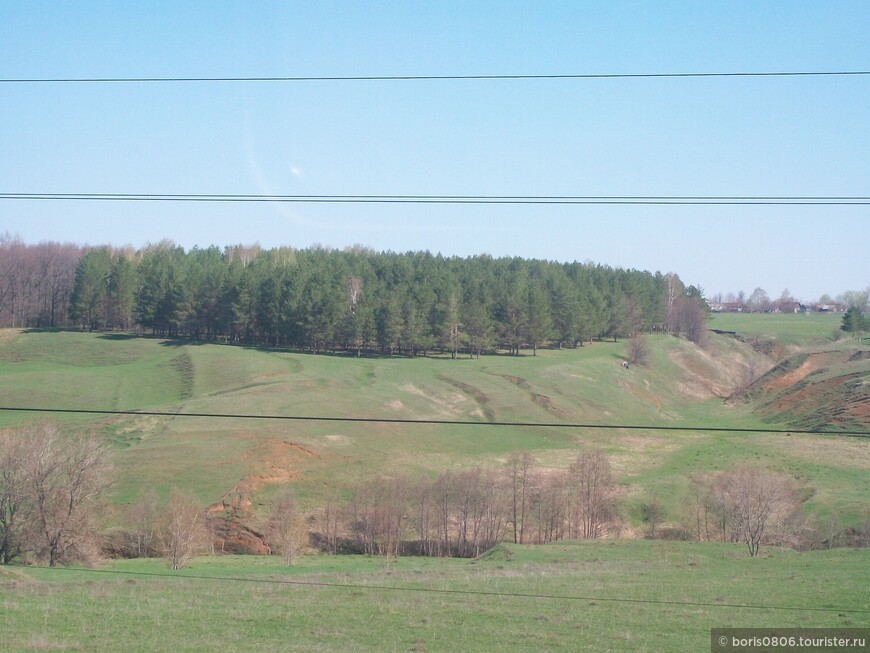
(603, 596)
(793, 329)
(614, 595)
(684, 386)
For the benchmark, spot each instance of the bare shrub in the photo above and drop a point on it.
(862, 533)
(638, 351)
(749, 374)
(652, 513)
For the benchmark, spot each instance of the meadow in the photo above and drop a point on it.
(793, 329)
(683, 387)
(607, 595)
(603, 596)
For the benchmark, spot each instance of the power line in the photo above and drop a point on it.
(436, 422)
(435, 590)
(428, 78)
(689, 200)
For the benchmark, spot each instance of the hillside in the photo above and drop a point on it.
(825, 388)
(235, 463)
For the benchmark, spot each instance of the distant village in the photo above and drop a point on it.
(776, 307)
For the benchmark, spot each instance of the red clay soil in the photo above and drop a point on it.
(231, 517)
(841, 400)
(811, 364)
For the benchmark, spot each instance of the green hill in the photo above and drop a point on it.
(241, 461)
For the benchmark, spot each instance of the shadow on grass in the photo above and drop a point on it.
(119, 336)
(178, 342)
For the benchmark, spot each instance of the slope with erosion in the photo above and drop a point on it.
(826, 388)
(682, 385)
(235, 464)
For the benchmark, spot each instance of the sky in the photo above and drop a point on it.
(712, 136)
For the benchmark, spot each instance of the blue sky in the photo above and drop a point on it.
(714, 136)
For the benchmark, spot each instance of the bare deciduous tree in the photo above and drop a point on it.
(694, 321)
(142, 522)
(759, 505)
(423, 509)
(549, 507)
(444, 497)
(330, 518)
(286, 531)
(697, 513)
(13, 495)
(674, 290)
(354, 289)
(494, 510)
(593, 494)
(518, 466)
(59, 481)
(181, 529)
(758, 301)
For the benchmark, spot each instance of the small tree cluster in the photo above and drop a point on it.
(462, 513)
(50, 487)
(686, 310)
(748, 505)
(175, 531)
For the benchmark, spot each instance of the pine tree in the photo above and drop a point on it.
(88, 303)
(853, 321)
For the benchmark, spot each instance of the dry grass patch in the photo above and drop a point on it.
(6, 335)
(834, 451)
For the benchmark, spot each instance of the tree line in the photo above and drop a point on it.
(354, 300)
(53, 492)
(465, 512)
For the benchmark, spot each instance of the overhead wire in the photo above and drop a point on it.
(690, 200)
(466, 592)
(426, 78)
(449, 199)
(438, 422)
(442, 199)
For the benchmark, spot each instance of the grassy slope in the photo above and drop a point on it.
(210, 456)
(72, 610)
(819, 383)
(684, 386)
